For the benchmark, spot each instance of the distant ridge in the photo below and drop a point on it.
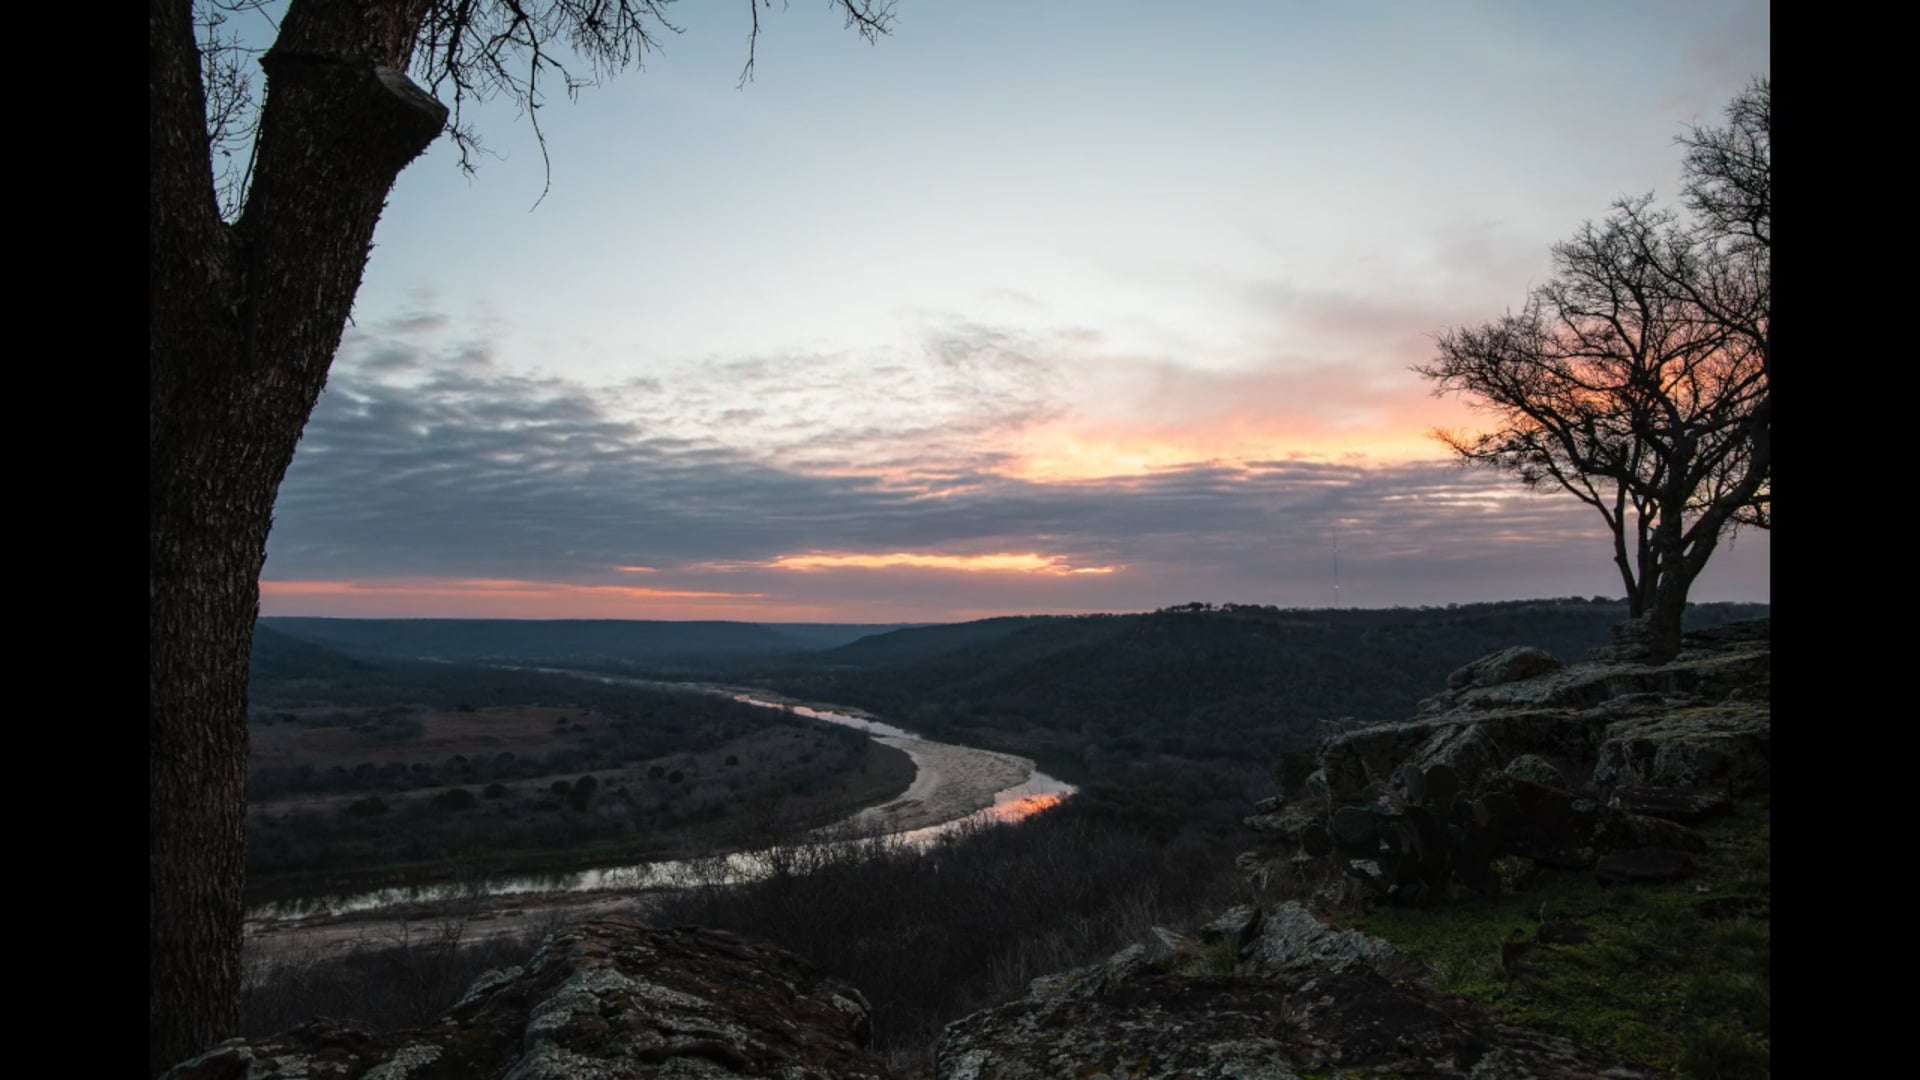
(926, 642)
(615, 641)
(1239, 682)
(278, 656)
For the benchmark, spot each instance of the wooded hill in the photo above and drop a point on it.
(1187, 705)
(569, 641)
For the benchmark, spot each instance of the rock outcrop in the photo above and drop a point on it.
(612, 999)
(1302, 999)
(1559, 765)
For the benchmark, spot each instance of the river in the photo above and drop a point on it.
(954, 787)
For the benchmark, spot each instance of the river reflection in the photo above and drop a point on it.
(1038, 793)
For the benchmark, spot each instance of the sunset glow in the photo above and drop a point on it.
(510, 599)
(1067, 452)
(530, 590)
(1024, 807)
(1024, 563)
(1050, 332)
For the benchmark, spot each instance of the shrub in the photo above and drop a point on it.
(454, 799)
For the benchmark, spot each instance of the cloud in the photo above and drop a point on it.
(433, 481)
(996, 563)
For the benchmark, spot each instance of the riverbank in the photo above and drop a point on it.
(952, 784)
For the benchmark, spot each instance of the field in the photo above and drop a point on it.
(343, 798)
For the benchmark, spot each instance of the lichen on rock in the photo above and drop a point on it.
(612, 998)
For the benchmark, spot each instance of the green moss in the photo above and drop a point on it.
(1676, 977)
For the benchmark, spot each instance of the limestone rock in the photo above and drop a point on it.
(1238, 925)
(1647, 865)
(1286, 823)
(612, 998)
(1728, 745)
(1292, 939)
(1547, 825)
(1623, 831)
(1323, 1001)
(1685, 805)
(1507, 665)
(1537, 769)
(1701, 721)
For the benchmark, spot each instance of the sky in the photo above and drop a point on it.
(1026, 308)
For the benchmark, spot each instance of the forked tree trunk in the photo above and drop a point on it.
(243, 322)
(1664, 620)
(1679, 564)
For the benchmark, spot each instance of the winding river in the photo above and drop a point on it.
(1035, 793)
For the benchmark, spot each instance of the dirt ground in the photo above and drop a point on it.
(952, 782)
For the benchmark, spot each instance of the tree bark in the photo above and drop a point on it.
(1666, 617)
(1676, 567)
(243, 323)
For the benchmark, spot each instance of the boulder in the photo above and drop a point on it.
(1505, 666)
(1643, 866)
(1623, 831)
(1534, 768)
(612, 998)
(1517, 873)
(1547, 825)
(1323, 1001)
(1291, 939)
(1238, 925)
(1728, 745)
(1701, 721)
(1286, 823)
(1685, 805)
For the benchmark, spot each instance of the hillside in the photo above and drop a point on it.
(1184, 705)
(582, 641)
(280, 657)
(1546, 869)
(923, 643)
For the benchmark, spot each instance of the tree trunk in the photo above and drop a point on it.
(1664, 619)
(243, 322)
(1677, 567)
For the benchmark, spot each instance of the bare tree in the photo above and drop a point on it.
(262, 203)
(1638, 378)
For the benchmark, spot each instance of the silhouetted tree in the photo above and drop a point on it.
(1638, 377)
(253, 262)
(582, 794)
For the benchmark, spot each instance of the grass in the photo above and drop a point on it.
(1676, 977)
(1216, 960)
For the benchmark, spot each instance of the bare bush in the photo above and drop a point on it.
(931, 934)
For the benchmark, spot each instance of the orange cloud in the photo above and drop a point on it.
(492, 588)
(1003, 563)
(1065, 452)
(1152, 417)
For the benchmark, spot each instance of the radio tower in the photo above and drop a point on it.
(1336, 563)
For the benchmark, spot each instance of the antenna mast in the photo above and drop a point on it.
(1336, 562)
